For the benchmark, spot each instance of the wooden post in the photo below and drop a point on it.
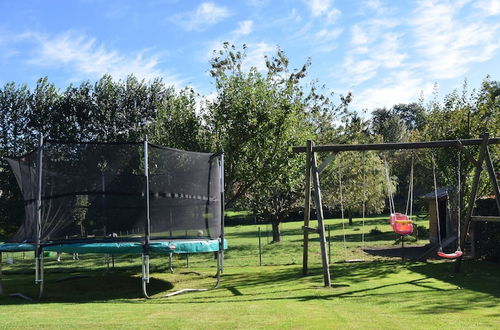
(472, 197)
(321, 225)
(493, 178)
(307, 208)
(329, 245)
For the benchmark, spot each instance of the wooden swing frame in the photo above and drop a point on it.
(313, 171)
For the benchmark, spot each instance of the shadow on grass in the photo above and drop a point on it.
(82, 288)
(477, 276)
(372, 281)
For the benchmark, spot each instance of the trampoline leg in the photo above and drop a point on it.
(221, 252)
(219, 269)
(145, 275)
(1, 288)
(39, 275)
(170, 263)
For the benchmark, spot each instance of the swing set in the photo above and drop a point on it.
(400, 222)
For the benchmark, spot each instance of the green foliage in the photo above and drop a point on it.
(389, 125)
(463, 115)
(256, 118)
(177, 123)
(107, 111)
(362, 173)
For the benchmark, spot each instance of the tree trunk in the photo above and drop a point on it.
(276, 231)
(349, 214)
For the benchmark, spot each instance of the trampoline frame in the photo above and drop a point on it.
(145, 257)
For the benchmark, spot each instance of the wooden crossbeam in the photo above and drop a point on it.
(395, 146)
(489, 218)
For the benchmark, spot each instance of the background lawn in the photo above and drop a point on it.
(378, 293)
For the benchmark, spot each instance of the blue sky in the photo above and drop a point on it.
(385, 52)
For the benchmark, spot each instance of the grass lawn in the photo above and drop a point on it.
(377, 294)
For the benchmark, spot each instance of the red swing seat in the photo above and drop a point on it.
(454, 255)
(401, 224)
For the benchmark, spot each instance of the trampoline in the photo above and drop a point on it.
(119, 198)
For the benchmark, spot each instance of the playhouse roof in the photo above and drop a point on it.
(441, 193)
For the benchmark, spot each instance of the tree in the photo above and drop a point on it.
(256, 118)
(361, 174)
(389, 125)
(14, 116)
(177, 123)
(412, 114)
(107, 111)
(463, 114)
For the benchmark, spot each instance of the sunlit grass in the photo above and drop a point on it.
(379, 293)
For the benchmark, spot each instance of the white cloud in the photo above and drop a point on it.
(323, 8)
(244, 27)
(489, 7)
(369, 31)
(319, 7)
(85, 58)
(448, 42)
(358, 71)
(326, 34)
(363, 62)
(204, 16)
(258, 3)
(359, 36)
(400, 87)
(388, 53)
(371, 7)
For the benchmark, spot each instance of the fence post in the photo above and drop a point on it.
(260, 248)
(329, 245)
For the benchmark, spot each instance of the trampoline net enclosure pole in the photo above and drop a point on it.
(146, 194)
(221, 247)
(38, 224)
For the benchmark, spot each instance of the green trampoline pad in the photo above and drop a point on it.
(16, 247)
(171, 246)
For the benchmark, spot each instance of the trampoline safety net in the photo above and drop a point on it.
(98, 191)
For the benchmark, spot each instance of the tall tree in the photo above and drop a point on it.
(256, 118)
(178, 124)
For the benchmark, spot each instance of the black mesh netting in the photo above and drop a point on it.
(97, 191)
